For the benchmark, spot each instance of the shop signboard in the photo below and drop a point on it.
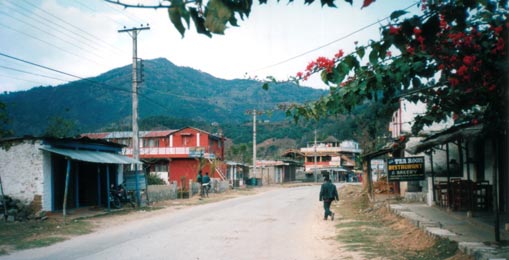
(406, 169)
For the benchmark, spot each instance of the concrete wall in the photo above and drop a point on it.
(21, 169)
(162, 192)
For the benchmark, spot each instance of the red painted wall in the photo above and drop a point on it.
(188, 169)
(183, 168)
(187, 137)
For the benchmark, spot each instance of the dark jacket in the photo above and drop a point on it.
(328, 192)
(206, 179)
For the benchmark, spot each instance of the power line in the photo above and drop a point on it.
(71, 25)
(126, 14)
(49, 33)
(16, 78)
(48, 43)
(58, 27)
(62, 72)
(329, 43)
(32, 73)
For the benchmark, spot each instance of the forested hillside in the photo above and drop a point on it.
(168, 90)
(173, 97)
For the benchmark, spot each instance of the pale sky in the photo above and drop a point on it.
(79, 37)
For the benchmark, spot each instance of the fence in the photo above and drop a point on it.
(170, 191)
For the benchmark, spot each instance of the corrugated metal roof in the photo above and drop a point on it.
(95, 135)
(444, 137)
(161, 133)
(92, 156)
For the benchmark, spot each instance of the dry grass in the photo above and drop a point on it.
(379, 234)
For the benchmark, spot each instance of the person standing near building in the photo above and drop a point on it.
(199, 179)
(328, 193)
(206, 184)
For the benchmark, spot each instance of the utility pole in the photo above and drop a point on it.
(254, 142)
(133, 32)
(316, 175)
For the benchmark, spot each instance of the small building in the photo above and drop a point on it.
(45, 172)
(275, 171)
(236, 173)
(175, 155)
(331, 157)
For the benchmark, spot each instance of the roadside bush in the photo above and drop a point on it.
(153, 179)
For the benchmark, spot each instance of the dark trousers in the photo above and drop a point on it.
(326, 207)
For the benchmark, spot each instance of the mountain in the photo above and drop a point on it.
(168, 90)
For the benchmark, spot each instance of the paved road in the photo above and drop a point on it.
(284, 223)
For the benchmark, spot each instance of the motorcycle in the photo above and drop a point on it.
(119, 195)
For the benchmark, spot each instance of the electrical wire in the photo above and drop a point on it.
(32, 73)
(22, 79)
(62, 72)
(48, 43)
(126, 14)
(39, 29)
(329, 43)
(71, 25)
(88, 41)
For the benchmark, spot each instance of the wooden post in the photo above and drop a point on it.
(108, 187)
(3, 199)
(66, 188)
(99, 186)
(138, 196)
(496, 223)
(449, 193)
(432, 175)
(77, 186)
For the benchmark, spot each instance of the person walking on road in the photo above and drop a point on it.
(328, 193)
(206, 184)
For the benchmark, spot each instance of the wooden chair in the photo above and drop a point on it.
(442, 194)
(482, 195)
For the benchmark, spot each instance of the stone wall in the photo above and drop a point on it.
(21, 170)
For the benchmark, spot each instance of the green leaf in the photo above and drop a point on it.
(397, 14)
(416, 82)
(199, 22)
(361, 51)
(217, 14)
(418, 65)
(174, 14)
(178, 12)
(373, 57)
(265, 86)
(351, 62)
(379, 80)
(325, 76)
(329, 3)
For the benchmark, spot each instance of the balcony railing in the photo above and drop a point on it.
(321, 149)
(168, 151)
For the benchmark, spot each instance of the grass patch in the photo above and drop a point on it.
(31, 234)
(442, 249)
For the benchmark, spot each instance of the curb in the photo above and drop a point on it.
(478, 250)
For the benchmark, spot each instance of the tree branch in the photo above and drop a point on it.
(160, 5)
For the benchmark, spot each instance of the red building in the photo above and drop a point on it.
(175, 155)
